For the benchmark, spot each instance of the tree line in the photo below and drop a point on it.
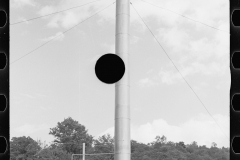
(69, 136)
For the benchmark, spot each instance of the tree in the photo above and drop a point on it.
(181, 144)
(139, 150)
(42, 144)
(23, 148)
(194, 144)
(145, 157)
(71, 135)
(214, 144)
(181, 147)
(159, 141)
(52, 153)
(45, 153)
(162, 156)
(60, 153)
(162, 139)
(104, 144)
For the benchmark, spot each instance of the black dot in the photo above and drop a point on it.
(3, 18)
(236, 145)
(3, 146)
(109, 68)
(3, 103)
(3, 60)
(236, 60)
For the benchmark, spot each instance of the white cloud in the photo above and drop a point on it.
(194, 47)
(47, 10)
(59, 37)
(201, 129)
(146, 82)
(21, 3)
(200, 12)
(71, 17)
(29, 129)
(169, 77)
(197, 10)
(165, 77)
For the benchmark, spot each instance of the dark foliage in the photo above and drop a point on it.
(69, 136)
(22, 148)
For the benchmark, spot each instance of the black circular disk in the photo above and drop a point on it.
(109, 68)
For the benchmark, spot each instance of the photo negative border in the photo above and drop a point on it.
(4, 80)
(235, 80)
(234, 88)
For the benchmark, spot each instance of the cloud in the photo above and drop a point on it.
(197, 10)
(21, 3)
(193, 47)
(71, 17)
(200, 12)
(47, 10)
(29, 129)
(58, 37)
(169, 75)
(146, 82)
(201, 129)
(164, 76)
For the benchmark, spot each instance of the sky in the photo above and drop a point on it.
(57, 80)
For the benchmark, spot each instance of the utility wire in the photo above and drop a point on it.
(178, 70)
(60, 34)
(186, 17)
(52, 13)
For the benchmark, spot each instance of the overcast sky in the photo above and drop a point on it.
(58, 80)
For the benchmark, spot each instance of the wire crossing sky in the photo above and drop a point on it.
(60, 34)
(186, 17)
(179, 71)
(100, 0)
(52, 13)
(60, 79)
(146, 26)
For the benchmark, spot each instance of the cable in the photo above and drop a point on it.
(178, 70)
(52, 13)
(187, 17)
(60, 34)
